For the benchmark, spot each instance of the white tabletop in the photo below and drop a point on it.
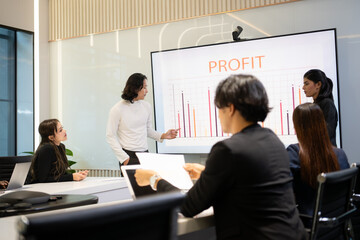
(109, 190)
(87, 186)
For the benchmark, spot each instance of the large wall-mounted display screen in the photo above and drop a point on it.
(184, 83)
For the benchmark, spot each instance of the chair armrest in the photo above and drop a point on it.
(335, 221)
(305, 216)
(356, 198)
(356, 201)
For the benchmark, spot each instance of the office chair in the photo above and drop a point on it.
(333, 207)
(153, 217)
(355, 220)
(7, 165)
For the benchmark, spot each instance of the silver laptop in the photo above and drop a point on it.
(18, 176)
(134, 189)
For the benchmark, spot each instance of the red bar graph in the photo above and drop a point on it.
(182, 95)
(216, 123)
(197, 116)
(189, 105)
(189, 120)
(194, 122)
(210, 112)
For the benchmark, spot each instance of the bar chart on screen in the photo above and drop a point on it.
(193, 108)
(285, 93)
(190, 105)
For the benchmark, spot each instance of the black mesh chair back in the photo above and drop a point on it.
(152, 218)
(333, 207)
(355, 220)
(357, 184)
(7, 165)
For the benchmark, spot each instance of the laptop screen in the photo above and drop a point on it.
(19, 175)
(135, 190)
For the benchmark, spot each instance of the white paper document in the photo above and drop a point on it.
(169, 166)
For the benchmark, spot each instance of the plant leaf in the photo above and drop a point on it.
(70, 170)
(30, 153)
(69, 152)
(71, 162)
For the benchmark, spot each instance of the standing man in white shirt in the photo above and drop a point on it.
(129, 122)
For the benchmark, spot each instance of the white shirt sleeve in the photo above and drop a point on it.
(111, 135)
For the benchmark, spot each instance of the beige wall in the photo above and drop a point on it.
(44, 58)
(17, 14)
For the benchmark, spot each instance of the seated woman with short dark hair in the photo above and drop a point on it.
(314, 154)
(246, 178)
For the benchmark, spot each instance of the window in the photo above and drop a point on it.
(16, 91)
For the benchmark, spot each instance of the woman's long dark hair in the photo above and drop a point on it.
(316, 75)
(133, 85)
(316, 152)
(48, 128)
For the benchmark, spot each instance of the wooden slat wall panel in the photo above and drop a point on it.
(74, 18)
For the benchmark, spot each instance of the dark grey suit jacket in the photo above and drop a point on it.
(247, 181)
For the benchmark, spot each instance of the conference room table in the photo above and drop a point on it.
(110, 190)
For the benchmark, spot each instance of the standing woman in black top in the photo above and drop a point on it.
(50, 163)
(318, 86)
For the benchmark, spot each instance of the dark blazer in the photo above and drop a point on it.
(331, 118)
(44, 165)
(304, 194)
(247, 181)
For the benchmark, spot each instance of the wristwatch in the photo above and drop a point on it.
(153, 179)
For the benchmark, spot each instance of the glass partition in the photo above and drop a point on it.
(16, 91)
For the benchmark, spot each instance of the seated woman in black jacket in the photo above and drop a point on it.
(50, 163)
(246, 178)
(313, 155)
